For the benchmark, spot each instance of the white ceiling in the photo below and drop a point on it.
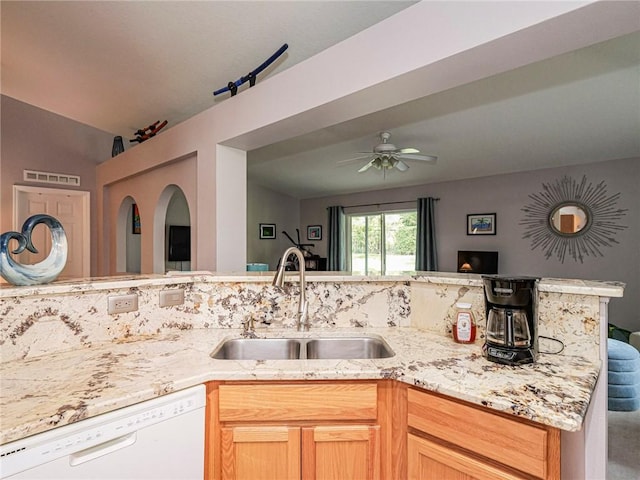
(120, 66)
(581, 107)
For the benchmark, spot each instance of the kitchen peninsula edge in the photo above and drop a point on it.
(65, 358)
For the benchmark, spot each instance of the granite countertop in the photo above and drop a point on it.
(52, 390)
(80, 285)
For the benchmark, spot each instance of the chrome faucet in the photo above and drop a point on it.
(278, 281)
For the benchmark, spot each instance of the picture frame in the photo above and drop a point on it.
(267, 231)
(314, 232)
(481, 224)
(135, 220)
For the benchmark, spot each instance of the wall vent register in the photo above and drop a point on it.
(51, 178)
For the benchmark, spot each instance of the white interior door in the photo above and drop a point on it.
(71, 209)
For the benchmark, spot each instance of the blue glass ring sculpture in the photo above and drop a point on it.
(43, 272)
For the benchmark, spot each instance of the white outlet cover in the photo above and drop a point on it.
(174, 296)
(122, 303)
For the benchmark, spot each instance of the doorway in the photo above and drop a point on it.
(72, 209)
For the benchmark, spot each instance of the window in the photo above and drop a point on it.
(382, 243)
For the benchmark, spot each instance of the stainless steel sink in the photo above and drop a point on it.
(302, 348)
(258, 349)
(348, 348)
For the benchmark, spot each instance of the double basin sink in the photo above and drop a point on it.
(303, 348)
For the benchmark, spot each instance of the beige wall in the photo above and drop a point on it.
(147, 190)
(35, 139)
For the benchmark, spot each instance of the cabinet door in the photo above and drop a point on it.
(429, 460)
(260, 453)
(346, 452)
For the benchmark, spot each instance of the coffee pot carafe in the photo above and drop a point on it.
(508, 327)
(511, 336)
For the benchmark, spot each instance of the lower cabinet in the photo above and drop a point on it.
(430, 460)
(449, 439)
(260, 452)
(314, 453)
(306, 430)
(341, 452)
(367, 430)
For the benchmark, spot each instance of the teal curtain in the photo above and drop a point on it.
(426, 248)
(336, 240)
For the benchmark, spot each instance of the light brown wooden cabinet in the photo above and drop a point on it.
(260, 452)
(341, 452)
(449, 439)
(428, 460)
(310, 453)
(310, 431)
(331, 430)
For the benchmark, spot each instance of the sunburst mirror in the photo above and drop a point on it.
(572, 218)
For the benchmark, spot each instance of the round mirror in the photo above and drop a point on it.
(569, 218)
(572, 217)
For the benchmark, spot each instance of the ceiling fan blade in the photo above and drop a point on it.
(409, 150)
(415, 156)
(353, 159)
(367, 166)
(400, 165)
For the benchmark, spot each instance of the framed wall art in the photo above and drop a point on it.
(481, 224)
(314, 232)
(267, 231)
(135, 220)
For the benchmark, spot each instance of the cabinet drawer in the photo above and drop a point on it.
(527, 447)
(326, 401)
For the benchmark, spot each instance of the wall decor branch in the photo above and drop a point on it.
(572, 218)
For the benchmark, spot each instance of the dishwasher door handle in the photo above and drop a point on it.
(102, 449)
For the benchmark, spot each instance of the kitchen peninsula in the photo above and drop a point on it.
(64, 358)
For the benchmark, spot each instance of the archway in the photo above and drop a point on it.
(172, 246)
(128, 237)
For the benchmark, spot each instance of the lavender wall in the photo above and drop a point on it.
(36, 139)
(506, 195)
(267, 206)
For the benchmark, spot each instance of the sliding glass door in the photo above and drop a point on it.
(382, 243)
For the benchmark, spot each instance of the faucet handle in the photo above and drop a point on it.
(249, 324)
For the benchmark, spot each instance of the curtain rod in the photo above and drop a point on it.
(381, 203)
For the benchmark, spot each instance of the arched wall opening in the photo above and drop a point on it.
(172, 228)
(152, 192)
(128, 237)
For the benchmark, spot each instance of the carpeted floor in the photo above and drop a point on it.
(624, 446)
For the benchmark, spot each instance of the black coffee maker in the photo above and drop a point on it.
(511, 307)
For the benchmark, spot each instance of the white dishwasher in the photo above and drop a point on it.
(162, 438)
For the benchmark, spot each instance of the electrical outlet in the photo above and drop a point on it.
(123, 303)
(171, 297)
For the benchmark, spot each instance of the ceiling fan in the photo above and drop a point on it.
(386, 156)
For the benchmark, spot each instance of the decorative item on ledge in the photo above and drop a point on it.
(118, 146)
(43, 272)
(257, 267)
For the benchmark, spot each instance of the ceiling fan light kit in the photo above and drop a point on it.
(386, 156)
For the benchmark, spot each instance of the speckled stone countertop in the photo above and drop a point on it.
(558, 285)
(52, 390)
